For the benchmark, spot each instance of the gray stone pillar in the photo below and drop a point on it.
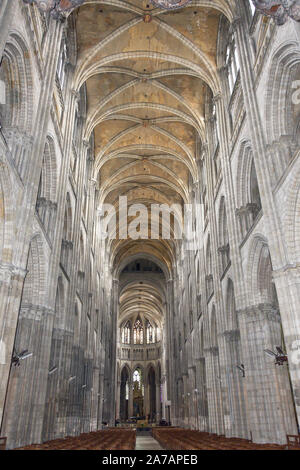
(11, 285)
(270, 413)
(157, 396)
(130, 398)
(118, 398)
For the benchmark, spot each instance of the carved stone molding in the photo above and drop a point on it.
(59, 9)
(7, 271)
(279, 10)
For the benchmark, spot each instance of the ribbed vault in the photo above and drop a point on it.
(147, 72)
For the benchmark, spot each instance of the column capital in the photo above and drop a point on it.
(76, 94)
(218, 97)
(7, 271)
(223, 68)
(237, 21)
(59, 10)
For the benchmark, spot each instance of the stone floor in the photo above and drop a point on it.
(147, 443)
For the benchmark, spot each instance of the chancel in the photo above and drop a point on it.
(149, 224)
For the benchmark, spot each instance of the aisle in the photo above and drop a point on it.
(147, 443)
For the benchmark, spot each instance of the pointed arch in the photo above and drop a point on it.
(15, 70)
(35, 282)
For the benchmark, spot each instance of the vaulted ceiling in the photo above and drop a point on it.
(147, 72)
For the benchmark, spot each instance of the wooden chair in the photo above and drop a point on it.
(293, 441)
(3, 443)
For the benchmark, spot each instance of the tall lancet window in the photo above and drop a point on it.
(138, 332)
(150, 333)
(126, 333)
(232, 62)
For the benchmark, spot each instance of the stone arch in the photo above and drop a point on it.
(247, 194)
(46, 198)
(278, 105)
(60, 300)
(68, 220)
(259, 272)
(291, 218)
(6, 215)
(213, 328)
(244, 173)
(282, 108)
(35, 281)
(48, 182)
(232, 319)
(223, 237)
(16, 73)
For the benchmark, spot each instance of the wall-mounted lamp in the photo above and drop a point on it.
(52, 370)
(17, 358)
(280, 356)
(241, 367)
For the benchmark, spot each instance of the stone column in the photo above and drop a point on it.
(288, 290)
(157, 396)
(164, 397)
(146, 397)
(115, 313)
(118, 391)
(269, 416)
(222, 401)
(214, 384)
(170, 335)
(11, 285)
(130, 398)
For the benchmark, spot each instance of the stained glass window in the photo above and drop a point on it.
(138, 332)
(150, 335)
(126, 333)
(137, 376)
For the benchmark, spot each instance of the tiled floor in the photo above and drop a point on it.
(147, 443)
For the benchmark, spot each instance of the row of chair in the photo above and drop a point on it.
(185, 439)
(169, 439)
(109, 439)
(293, 442)
(3, 443)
